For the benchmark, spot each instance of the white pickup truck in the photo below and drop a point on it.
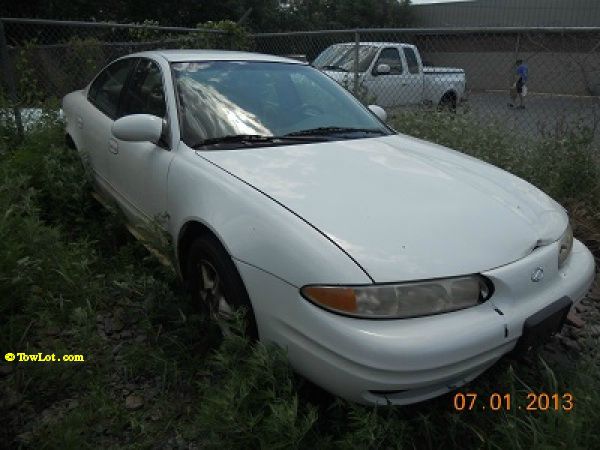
(392, 74)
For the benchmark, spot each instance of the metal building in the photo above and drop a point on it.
(509, 13)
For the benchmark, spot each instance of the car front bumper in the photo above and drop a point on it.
(410, 360)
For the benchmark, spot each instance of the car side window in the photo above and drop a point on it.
(105, 91)
(144, 93)
(411, 60)
(391, 57)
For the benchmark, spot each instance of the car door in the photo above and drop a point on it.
(139, 169)
(96, 117)
(413, 76)
(393, 88)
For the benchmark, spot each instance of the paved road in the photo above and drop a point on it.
(542, 113)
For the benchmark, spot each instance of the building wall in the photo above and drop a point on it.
(509, 13)
(559, 63)
(552, 72)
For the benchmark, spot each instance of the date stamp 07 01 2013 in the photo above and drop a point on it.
(533, 401)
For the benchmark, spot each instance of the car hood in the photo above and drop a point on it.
(401, 207)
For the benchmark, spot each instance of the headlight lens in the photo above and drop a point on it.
(413, 299)
(566, 245)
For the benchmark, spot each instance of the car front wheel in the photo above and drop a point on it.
(216, 286)
(448, 103)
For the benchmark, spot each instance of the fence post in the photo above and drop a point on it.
(356, 48)
(231, 38)
(9, 79)
(515, 57)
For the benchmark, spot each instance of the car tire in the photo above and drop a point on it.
(448, 102)
(215, 284)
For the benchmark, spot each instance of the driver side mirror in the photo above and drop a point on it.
(379, 112)
(138, 128)
(382, 69)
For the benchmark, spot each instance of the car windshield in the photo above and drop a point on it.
(340, 57)
(221, 100)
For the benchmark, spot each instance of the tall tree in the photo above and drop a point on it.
(265, 15)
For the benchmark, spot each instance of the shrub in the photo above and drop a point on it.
(250, 399)
(81, 60)
(235, 37)
(30, 87)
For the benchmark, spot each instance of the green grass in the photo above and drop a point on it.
(65, 264)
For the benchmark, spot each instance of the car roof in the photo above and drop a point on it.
(377, 44)
(213, 55)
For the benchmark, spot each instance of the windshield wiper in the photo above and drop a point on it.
(334, 67)
(324, 131)
(251, 139)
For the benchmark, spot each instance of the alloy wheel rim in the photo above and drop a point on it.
(211, 293)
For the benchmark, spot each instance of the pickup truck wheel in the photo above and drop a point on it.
(448, 102)
(216, 286)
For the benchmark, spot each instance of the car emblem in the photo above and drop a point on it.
(537, 275)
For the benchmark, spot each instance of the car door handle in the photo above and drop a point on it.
(79, 122)
(113, 146)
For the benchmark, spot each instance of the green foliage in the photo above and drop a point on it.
(145, 34)
(43, 75)
(250, 399)
(30, 88)
(237, 36)
(36, 265)
(233, 37)
(76, 61)
(264, 15)
(80, 62)
(340, 14)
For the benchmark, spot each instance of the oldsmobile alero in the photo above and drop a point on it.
(391, 269)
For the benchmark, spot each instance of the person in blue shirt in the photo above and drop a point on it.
(520, 86)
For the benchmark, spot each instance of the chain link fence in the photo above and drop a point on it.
(471, 71)
(50, 59)
(43, 60)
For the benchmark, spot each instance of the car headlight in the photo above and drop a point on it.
(403, 300)
(566, 245)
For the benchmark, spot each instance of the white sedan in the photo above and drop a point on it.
(390, 269)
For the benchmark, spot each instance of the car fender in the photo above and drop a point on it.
(252, 227)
